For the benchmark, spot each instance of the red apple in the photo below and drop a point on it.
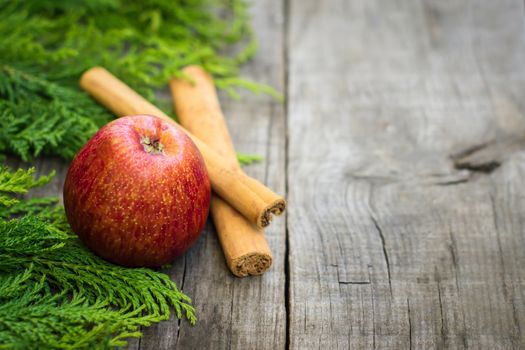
(138, 192)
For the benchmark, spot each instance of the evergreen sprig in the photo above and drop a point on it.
(18, 182)
(247, 159)
(55, 293)
(46, 45)
(38, 116)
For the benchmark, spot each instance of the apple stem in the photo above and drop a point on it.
(152, 146)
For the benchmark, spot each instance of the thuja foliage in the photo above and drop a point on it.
(46, 45)
(54, 293)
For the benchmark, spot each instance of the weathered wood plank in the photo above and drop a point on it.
(391, 246)
(244, 313)
(233, 312)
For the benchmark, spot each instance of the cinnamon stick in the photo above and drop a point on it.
(198, 110)
(251, 198)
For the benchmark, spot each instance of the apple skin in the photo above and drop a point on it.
(138, 193)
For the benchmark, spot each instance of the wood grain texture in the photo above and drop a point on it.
(403, 152)
(391, 245)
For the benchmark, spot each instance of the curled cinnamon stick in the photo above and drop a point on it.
(198, 110)
(252, 199)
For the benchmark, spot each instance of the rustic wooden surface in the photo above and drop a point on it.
(401, 151)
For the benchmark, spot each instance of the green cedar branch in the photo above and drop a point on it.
(46, 45)
(55, 293)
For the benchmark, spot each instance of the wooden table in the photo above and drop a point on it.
(400, 149)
